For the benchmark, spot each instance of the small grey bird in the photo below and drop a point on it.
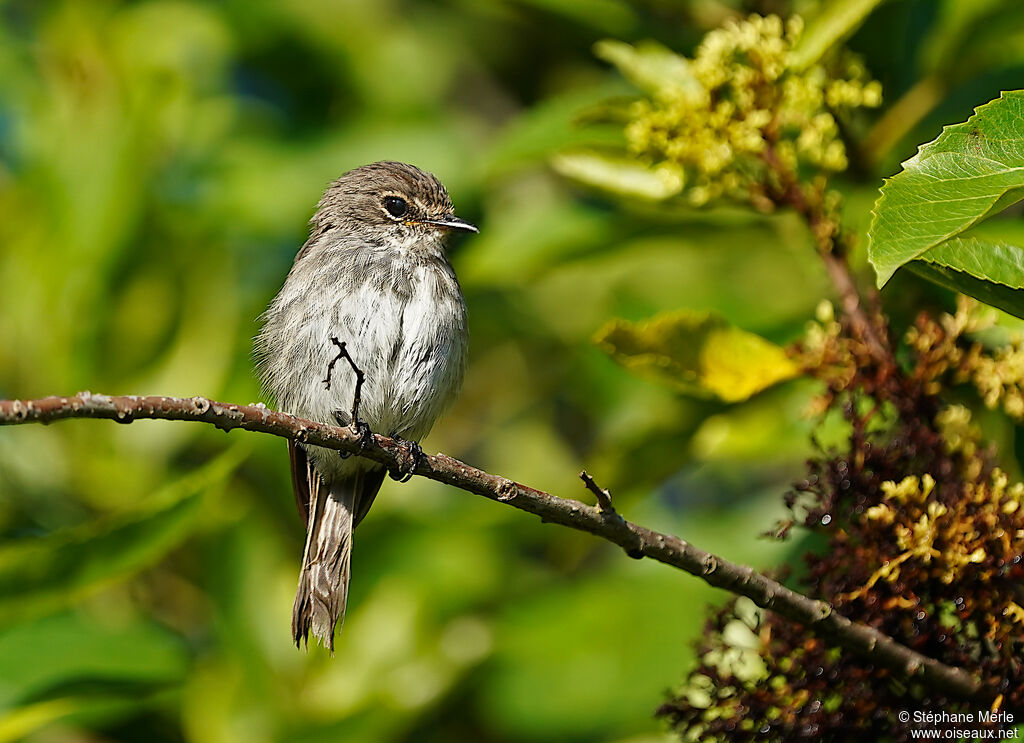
(374, 276)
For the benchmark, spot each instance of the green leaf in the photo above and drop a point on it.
(698, 353)
(997, 295)
(554, 124)
(651, 67)
(17, 724)
(38, 575)
(836, 22)
(990, 260)
(609, 16)
(620, 175)
(971, 39)
(43, 657)
(973, 170)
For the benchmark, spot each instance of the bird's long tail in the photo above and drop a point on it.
(326, 561)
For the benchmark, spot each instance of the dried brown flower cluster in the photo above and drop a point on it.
(912, 529)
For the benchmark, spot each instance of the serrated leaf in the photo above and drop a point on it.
(38, 575)
(973, 170)
(698, 353)
(986, 259)
(836, 22)
(620, 175)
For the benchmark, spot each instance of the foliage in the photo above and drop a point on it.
(921, 538)
(699, 353)
(40, 574)
(719, 121)
(832, 24)
(926, 213)
(919, 529)
(158, 163)
(158, 160)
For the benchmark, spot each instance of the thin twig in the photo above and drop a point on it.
(834, 246)
(817, 616)
(607, 510)
(332, 362)
(360, 377)
(604, 498)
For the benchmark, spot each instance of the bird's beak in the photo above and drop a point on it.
(452, 223)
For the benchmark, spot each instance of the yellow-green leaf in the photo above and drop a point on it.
(653, 68)
(698, 353)
(16, 724)
(620, 175)
(837, 21)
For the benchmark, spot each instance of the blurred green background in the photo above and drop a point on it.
(158, 163)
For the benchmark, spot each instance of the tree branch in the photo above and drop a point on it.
(604, 522)
(867, 323)
(604, 498)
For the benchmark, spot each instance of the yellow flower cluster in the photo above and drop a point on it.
(828, 354)
(962, 438)
(743, 103)
(946, 538)
(998, 374)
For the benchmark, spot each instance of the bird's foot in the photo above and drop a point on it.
(361, 429)
(410, 456)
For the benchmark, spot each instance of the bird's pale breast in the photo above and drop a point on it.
(406, 329)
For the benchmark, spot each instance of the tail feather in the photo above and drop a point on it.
(326, 561)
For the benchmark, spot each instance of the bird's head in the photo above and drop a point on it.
(390, 202)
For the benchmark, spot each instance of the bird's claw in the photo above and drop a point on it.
(410, 456)
(362, 430)
(359, 428)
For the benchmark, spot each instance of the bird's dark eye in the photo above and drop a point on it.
(396, 206)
